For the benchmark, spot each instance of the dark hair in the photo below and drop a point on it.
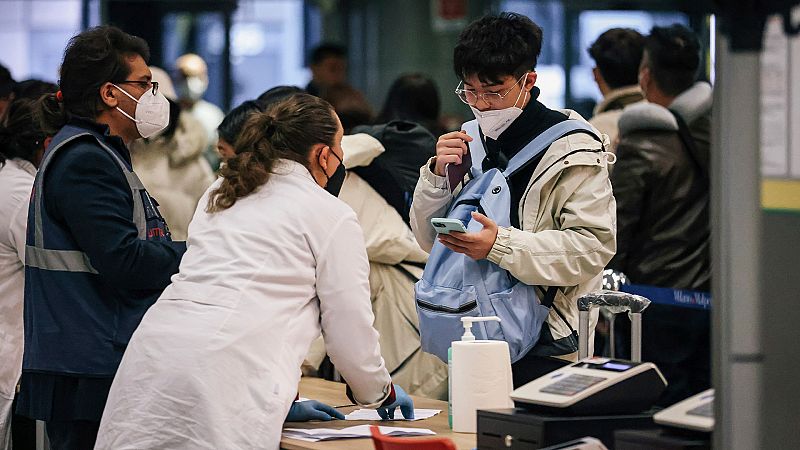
(326, 50)
(673, 56)
(287, 130)
(412, 97)
(231, 126)
(617, 54)
(22, 135)
(6, 82)
(496, 46)
(273, 95)
(93, 57)
(350, 104)
(34, 89)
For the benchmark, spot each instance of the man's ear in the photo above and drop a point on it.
(109, 95)
(596, 73)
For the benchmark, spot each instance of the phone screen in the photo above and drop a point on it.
(456, 172)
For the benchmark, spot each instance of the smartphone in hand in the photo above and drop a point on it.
(455, 173)
(444, 225)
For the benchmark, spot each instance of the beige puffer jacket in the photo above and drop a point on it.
(568, 220)
(389, 243)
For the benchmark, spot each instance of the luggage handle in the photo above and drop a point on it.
(617, 302)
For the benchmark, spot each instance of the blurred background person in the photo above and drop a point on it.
(661, 183)
(171, 164)
(22, 143)
(616, 54)
(192, 83)
(350, 104)
(6, 90)
(328, 64)
(413, 97)
(405, 128)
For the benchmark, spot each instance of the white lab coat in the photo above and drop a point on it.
(16, 181)
(216, 361)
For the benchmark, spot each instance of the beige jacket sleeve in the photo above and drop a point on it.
(388, 239)
(582, 243)
(431, 199)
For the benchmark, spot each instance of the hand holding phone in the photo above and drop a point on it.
(444, 225)
(450, 148)
(456, 172)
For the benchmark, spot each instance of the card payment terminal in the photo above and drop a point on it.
(594, 386)
(694, 413)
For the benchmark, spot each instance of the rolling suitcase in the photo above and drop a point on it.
(615, 302)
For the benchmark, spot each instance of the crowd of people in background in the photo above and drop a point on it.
(127, 198)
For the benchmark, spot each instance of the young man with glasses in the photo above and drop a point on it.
(98, 252)
(562, 230)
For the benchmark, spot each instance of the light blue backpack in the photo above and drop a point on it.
(455, 286)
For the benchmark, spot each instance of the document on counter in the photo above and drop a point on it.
(371, 414)
(359, 431)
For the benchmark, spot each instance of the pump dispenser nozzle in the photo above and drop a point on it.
(468, 321)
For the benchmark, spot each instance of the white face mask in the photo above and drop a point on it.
(494, 122)
(152, 112)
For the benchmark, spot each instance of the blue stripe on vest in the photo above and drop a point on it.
(673, 297)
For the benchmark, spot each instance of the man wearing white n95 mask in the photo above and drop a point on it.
(98, 252)
(562, 209)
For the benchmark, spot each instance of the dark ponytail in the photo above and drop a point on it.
(287, 130)
(50, 112)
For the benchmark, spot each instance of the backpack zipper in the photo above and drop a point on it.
(437, 308)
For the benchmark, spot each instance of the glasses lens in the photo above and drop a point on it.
(467, 97)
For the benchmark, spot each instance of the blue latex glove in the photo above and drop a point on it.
(312, 410)
(402, 400)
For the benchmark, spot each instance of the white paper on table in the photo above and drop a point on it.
(359, 431)
(372, 414)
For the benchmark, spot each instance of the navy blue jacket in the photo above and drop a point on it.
(79, 322)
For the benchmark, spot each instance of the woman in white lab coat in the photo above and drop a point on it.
(272, 260)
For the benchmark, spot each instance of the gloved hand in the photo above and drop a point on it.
(402, 400)
(312, 410)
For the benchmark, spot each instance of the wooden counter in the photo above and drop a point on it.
(333, 394)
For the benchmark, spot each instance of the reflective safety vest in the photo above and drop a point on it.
(71, 326)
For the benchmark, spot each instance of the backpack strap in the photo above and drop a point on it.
(543, 141)
(689, 144)
(476, 150)
(549, 296)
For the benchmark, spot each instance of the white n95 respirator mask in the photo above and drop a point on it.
(152, 112)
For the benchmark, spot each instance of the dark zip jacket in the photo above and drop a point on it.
(98, 255)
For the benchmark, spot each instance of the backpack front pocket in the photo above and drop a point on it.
(521, 314)
(440, 310)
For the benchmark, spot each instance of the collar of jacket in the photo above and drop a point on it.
(575, 142)
(104, 132)
(619, 98)
(25, 165)
(691, 104)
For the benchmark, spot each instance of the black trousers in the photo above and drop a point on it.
(72, 434)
